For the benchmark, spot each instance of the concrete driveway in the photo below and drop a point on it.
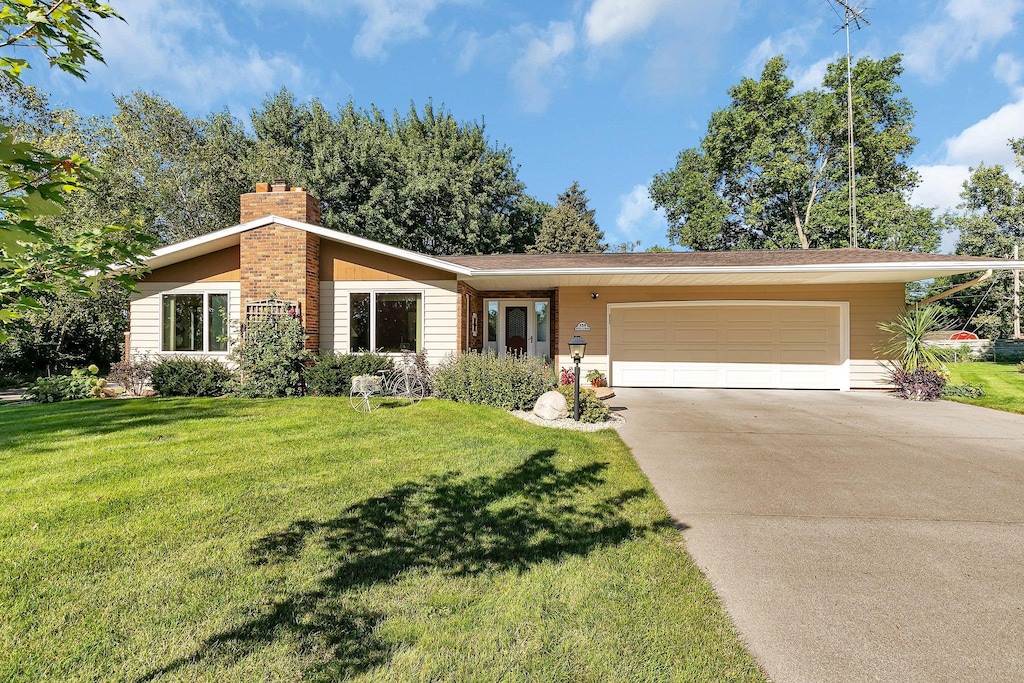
(851, 536)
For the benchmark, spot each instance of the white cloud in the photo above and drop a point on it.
(638, 218)
(188, 54)
(610, 21)
(789, 43)
(385, 23)
(987, 140)
(388, 22)
(811, 77)
(932, 50)
(539, 67)
(940, 186)
(1008, 69)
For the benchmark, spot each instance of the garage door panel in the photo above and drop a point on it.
(693, 354)
(748, 335)
(804, 335)
(806, 356)
(751, 355)
(746, 314)
(642, 335)
(691, 315)
(721, 345)
(808, 314)
(640, 315)
(694, 335)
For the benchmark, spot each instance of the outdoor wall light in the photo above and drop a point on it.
(577, 349)
(593, 295)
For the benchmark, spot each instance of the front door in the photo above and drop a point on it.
(516, 329)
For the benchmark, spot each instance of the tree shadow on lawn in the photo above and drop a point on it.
(34, 427)
(459, 526)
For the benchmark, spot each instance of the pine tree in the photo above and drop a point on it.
(570, 228)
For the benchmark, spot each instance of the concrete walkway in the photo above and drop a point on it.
(851, 536)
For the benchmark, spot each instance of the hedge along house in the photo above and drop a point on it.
(799, 319)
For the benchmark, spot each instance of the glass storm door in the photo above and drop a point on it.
(516, 333)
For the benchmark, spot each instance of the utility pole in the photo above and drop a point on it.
(852, 16)
(1016, 294)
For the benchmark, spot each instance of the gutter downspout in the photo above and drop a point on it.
(953, 290)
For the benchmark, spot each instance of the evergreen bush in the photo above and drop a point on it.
(332, 374)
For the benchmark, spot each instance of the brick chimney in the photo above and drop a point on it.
(281, 261)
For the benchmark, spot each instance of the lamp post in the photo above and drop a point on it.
(577, 349)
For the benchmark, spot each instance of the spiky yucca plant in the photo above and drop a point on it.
(906, 345)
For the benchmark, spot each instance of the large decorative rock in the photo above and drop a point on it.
(551, 406)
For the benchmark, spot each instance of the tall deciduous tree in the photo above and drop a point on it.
(771, 171)
(570, 228)
(35, 182)
(990, 220)
(179, 177)
(422, 180)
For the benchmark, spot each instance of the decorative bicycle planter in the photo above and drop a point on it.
(369, 392)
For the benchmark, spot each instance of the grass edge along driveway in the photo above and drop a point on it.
(1004, 385)
(225, 539)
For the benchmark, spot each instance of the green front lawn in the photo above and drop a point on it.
(1004, 386)
(222, 539)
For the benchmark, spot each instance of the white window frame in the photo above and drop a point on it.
(420, 318)
(207, 293)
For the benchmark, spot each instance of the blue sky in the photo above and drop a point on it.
(606, 92)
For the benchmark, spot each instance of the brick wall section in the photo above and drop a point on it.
(279, 261)
(293, 203)
(472, 301)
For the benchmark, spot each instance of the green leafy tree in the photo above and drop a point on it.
(35, 183)
(424, 181)
(771, 171)
(990, 220)
(570, 228)
(179, 177)
(67, 327)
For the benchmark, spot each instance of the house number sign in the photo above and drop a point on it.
(582, 327)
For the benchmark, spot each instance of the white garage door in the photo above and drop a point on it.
(783, 345)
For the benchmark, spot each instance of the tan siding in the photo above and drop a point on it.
(869, 305)
(344, 263)
(868, 374)
(220, 266)
(145, 310)
(440, 314)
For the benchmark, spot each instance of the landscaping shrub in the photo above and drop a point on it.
(79, 384)
(1020, 367)
(907, 345)
(271, 357)
(134, 374)
(923, 384)
(513, 382)
(965, 390)
(418, 362)
(332, 375)
(191, 376)
(566, 376)
(592, 409)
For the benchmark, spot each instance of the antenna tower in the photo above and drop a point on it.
(852, 16)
